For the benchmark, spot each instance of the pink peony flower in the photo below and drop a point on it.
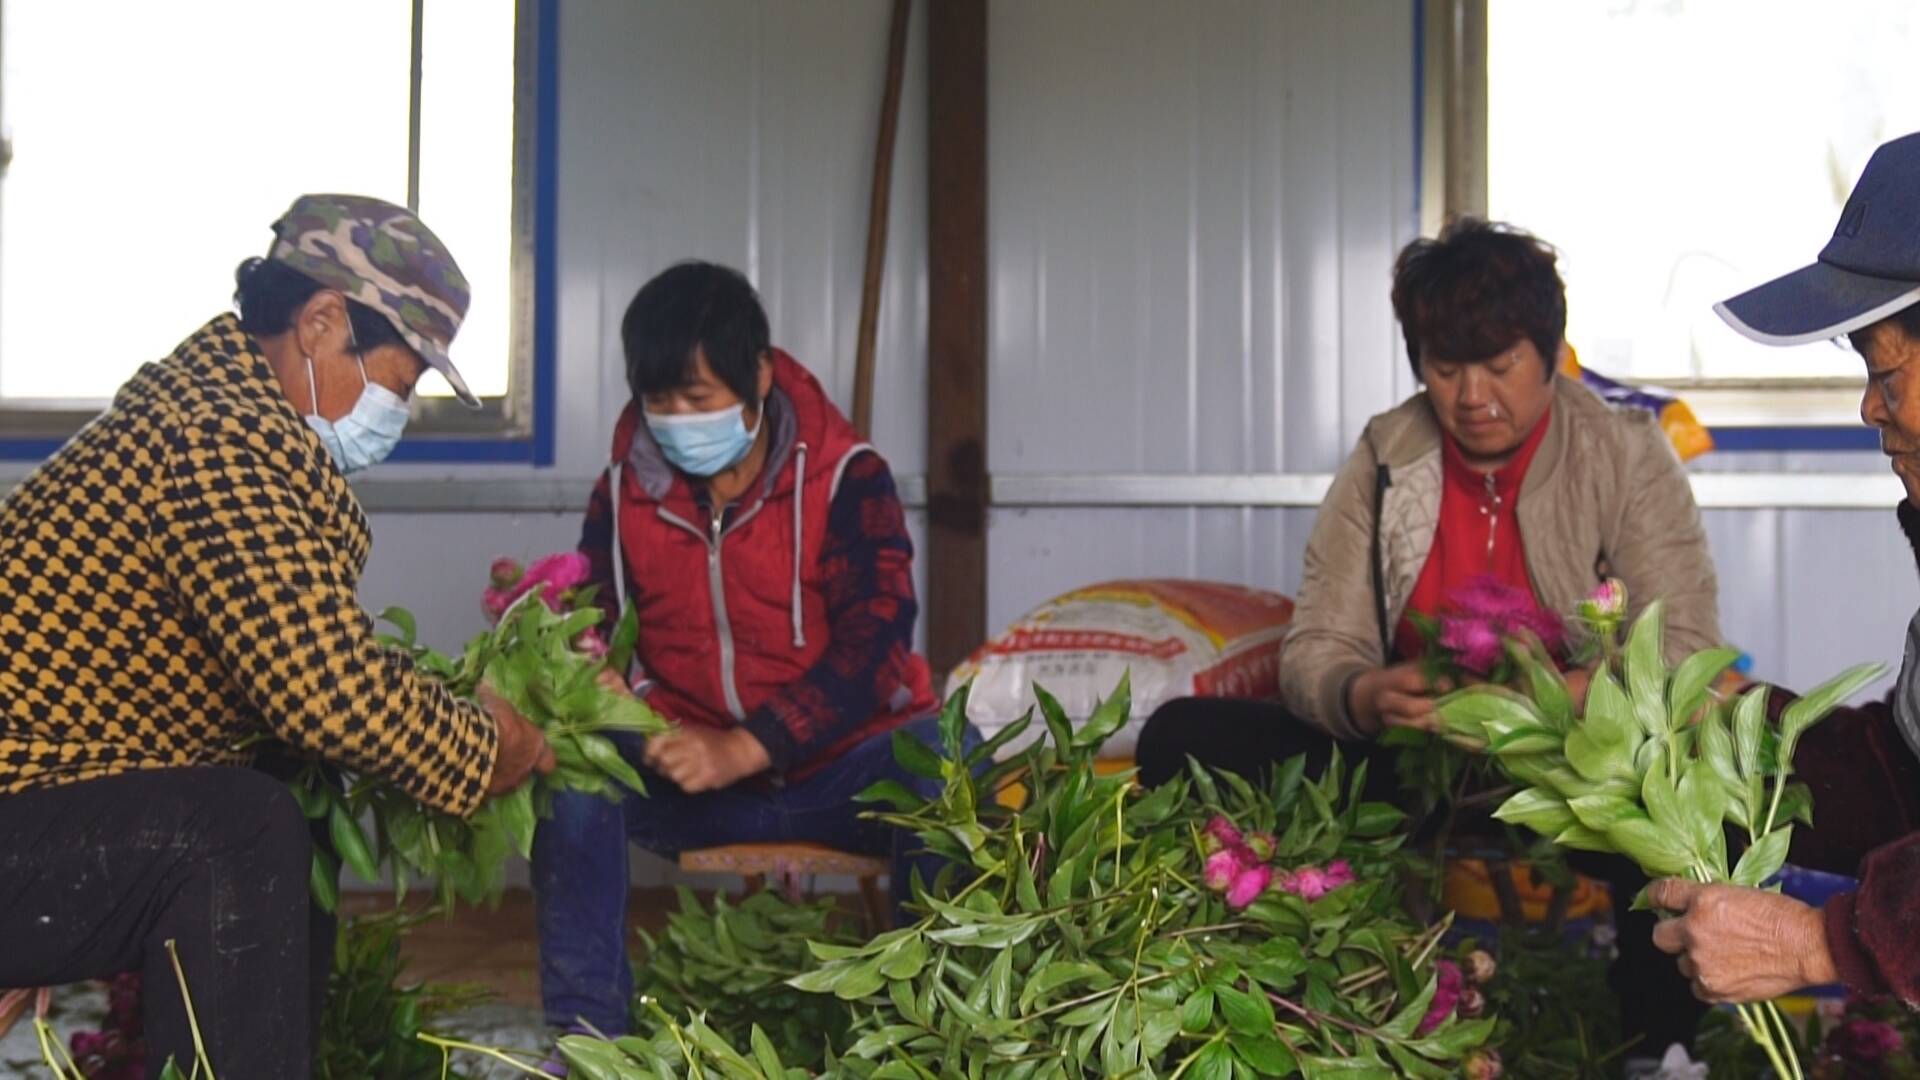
(1248, 885)
(1222, 832)
(1446, 995)
(1476, 645)
(1313, 882)
(1865, 1041)
(1478, 618)
(495, 603)
(555, 574)
(1224, 866)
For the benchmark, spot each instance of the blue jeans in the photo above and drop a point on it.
(580, 876)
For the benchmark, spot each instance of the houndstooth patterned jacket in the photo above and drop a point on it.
(182, 574)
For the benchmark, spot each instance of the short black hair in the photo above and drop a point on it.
(270, 296)
(692, 308)
(1907, 319)
(1475, 290)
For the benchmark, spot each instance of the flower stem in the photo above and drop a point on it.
(484, 1051)
(193, 1022)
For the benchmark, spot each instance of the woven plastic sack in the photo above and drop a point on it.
(1174, 638)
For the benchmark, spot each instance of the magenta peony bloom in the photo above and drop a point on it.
(1865, 1041)
(1313, 882)
(1476, 645)
(1222, 832)
(1224, 866)
(1446, 995)
(554, 574)
(1248, 885)
(495, 603)
(1479, 617)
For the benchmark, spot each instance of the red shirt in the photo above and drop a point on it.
(1478, 534)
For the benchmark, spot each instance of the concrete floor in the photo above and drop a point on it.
(495, 949)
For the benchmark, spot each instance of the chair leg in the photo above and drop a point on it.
(879, 912)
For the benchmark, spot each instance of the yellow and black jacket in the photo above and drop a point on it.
(182, 575)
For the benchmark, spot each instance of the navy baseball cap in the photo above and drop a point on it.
(1868, 271)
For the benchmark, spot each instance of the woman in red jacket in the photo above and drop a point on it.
(765, 551)
(1741, 945)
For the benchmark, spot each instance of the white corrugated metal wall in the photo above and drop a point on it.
(1194, 213)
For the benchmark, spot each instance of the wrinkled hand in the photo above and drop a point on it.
(699, 758)
(1396, 696)
(523, 747)
(613, 681)
(1738, 945)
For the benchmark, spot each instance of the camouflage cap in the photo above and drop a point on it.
(383, 256)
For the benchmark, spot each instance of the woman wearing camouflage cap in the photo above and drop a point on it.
(182, 575)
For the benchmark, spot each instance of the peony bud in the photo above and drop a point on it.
(1221, 833)
(1606, 607)
(506, 573)
(1483, 1064)
(1479, 967)
(1472, 1003)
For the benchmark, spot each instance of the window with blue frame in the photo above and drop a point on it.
(148, 148)
(1680, 152)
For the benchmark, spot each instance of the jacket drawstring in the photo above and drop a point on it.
(619, 557)
(799, 534)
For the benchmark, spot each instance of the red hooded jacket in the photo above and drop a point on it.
(741, 622)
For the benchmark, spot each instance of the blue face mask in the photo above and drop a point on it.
(704, 444)
(366, 435)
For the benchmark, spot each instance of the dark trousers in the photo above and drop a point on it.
(95, 878)
(1250, 737)
(580, 874)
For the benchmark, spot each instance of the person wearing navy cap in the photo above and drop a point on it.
(1740, 945)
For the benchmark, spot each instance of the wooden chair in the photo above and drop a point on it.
(789, 864)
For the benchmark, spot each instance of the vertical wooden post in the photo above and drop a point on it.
(879, 205)
(957, 492)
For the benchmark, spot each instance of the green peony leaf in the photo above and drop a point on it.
(1582, 838)
(1542, 811)
(1749, 722)
(1815, 704)
(1693, 678)
(1609, 719)
(1763, 859)
(1657, 850)
(1107, 718)
(1646, 671)
(1702, 799)
(1246, 1014)
(1486, 712)
(1596, 761)
(1545, 685)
